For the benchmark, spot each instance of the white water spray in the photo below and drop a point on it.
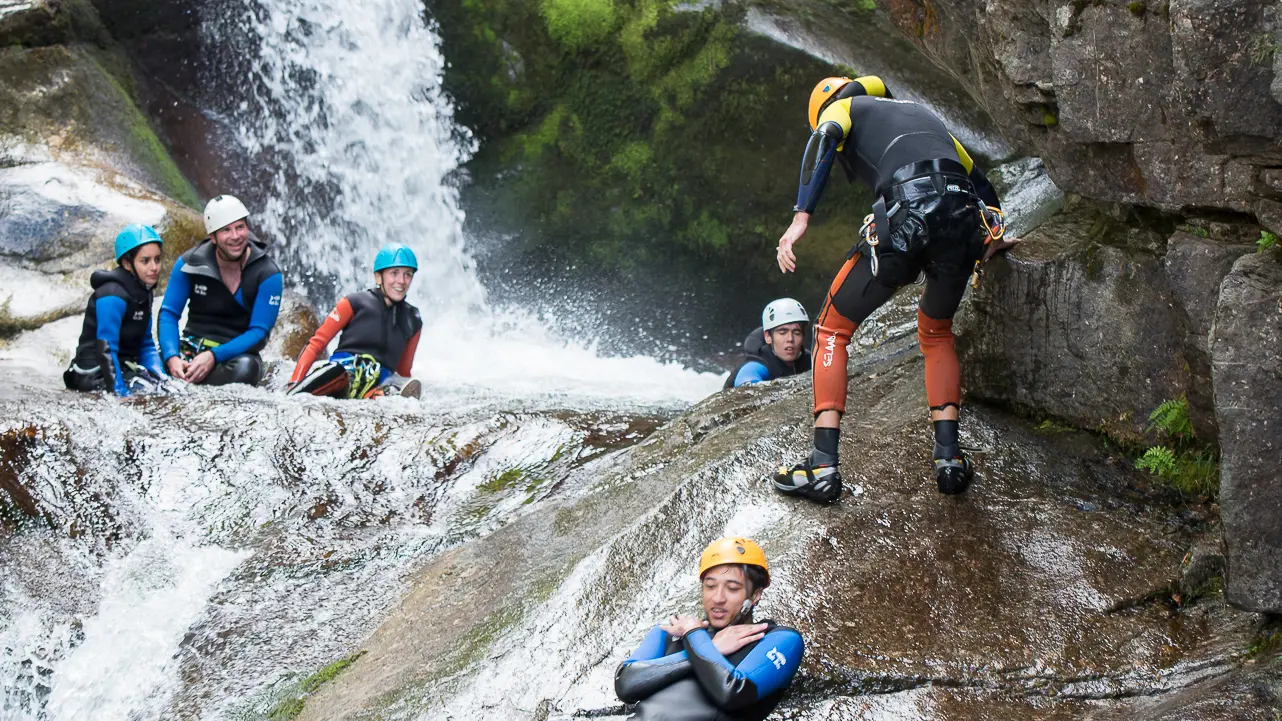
(347, 97)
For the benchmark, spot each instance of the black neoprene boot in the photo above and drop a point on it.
(953, 471)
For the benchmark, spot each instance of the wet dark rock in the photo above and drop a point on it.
(1194, 267)
(32, 23)
(1077, 323)
(1246, 363)
(1202, 571)
(1171, 105)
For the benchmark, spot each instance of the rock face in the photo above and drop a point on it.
(1172, 105)
(1246, 362)
(1098, 323)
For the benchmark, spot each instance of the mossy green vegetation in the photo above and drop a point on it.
(625, 134)
(289, 708)
(75, 96)
(1266, 241)
(1181, 460)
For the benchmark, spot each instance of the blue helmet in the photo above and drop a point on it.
(395, 255)
(136, 236)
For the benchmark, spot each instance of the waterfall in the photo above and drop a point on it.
(344, 102)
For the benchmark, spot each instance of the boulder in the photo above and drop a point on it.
(1246, 369)
(1077, 323)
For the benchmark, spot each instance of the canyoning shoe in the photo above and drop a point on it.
(413, 389)
(327, 380)
(821, 483)
(953, 475)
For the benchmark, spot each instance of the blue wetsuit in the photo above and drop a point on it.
(689, 680)
(262, 316)
(751, 372)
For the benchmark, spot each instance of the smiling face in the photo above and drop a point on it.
(395, 282)
(787, 341)
(145, 264)
(724, 590)
(232, 241)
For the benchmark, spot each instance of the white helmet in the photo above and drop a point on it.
(222, 212)
(781, 312)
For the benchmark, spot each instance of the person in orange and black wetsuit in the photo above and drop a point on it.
(930, 215)
(380, 332)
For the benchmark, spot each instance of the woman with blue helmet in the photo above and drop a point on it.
(117, 351)
(380, 333)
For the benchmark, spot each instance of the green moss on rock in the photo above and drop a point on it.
(64, 97)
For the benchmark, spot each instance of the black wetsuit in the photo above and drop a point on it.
(689, 680)
(116, 344)
(927, 218)
(756, 350)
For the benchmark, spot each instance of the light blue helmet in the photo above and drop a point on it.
(136, 236)
(395, 255)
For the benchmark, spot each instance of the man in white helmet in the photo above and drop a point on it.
(777, 349)
(231, 289)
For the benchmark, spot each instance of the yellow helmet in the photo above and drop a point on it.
(733, 550)
(820, 96)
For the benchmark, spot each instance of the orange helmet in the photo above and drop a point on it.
(733, 550)
(820, 96)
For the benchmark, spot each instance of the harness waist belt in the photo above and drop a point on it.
(928, 167)
(928, 186)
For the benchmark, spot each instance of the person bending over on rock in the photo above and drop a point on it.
(724, 667)
(231, 289)
(777, 349)
(379, 330)
(116, 350)
(932, 214)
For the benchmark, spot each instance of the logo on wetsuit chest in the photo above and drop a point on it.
(139, 314)
(778, 659)
(830, 347)
(200, 289)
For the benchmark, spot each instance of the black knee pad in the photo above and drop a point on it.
(247, 369)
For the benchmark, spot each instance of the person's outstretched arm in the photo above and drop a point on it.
(647, 670)
(768, 668)
(262, 318)
(336, 321)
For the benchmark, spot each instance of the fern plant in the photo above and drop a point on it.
(1182, 462)
(1267, 240)
(1172, 419)
(1158, 460)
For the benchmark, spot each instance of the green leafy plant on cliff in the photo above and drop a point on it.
(1182, 461)
(1266, 241)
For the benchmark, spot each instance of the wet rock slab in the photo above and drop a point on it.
(1047, 592)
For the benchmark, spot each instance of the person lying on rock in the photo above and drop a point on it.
(231, 289)
(935, 213)
(116, 350)
(379, 332)
(777, 349)
(726, 666)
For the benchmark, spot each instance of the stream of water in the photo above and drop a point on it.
(189, 557)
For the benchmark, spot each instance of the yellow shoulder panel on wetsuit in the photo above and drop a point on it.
(966, 161)
(872, 85)
(839, 113)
